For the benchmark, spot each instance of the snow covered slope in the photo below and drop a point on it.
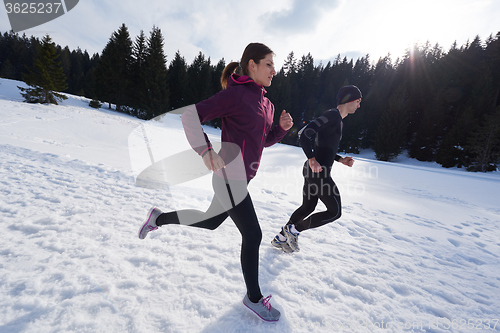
(416, 250)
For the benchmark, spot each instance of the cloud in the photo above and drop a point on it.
(302, 17)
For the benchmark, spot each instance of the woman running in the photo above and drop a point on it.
(247, 127)
(320, 142)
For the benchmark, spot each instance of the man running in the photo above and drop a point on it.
(320, 142)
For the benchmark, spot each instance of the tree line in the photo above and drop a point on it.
(441, 106)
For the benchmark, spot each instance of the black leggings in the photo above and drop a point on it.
(317, 186)
(233, 201)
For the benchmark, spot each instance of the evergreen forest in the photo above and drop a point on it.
(436, 104)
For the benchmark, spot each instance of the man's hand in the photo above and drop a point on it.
(314, 165)
(349, 161)
(286, 121)
(213, 161)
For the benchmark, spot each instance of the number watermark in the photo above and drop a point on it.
(24, 15)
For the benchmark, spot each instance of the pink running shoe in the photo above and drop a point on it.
(150, 223)
(263, 308)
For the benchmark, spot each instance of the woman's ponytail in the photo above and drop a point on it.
(226, 73)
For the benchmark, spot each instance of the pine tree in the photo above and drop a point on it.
(280, 93)
(113, 73)
(47, 78)
(307, 88)
(178, 81)
(199, 79)
(289, 89)
(390, 136)
(382, 85)
(138, 74)
(7, 69)
(90, 78)
(19, 51)
(327, 97)
(484, 144)
(451, 151)
(216, 87)
(290, 65)
(216, 74)
(64, 58)
(360, 123)
(78, 60)
(362, 72)
(492, 55)
(157, 95)
(102, 78)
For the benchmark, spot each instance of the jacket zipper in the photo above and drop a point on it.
(243, 150)
(263, 134)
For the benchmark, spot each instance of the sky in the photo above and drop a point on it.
(325, 28)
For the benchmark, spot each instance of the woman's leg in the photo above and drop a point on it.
(231, 199)
(236, 200)
(246, 221)
(210, 219)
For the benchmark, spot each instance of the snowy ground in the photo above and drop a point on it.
(416, 250)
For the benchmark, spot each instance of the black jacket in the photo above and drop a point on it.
(321, 137)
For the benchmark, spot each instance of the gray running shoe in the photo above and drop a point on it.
(283, 245)
(263, 308)
(150, 223)
(291, 238)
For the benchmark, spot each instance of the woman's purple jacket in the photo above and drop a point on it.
(247, 123)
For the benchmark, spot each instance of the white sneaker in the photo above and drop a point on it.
(263, 308)
(150, 223)
(292, 238)
(281, 244)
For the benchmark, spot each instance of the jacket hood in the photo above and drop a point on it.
(237, 80)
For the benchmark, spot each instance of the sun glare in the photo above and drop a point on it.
(397, 25)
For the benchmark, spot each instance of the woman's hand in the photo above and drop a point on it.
(286, 121)
(314, 165)
(213, 161)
